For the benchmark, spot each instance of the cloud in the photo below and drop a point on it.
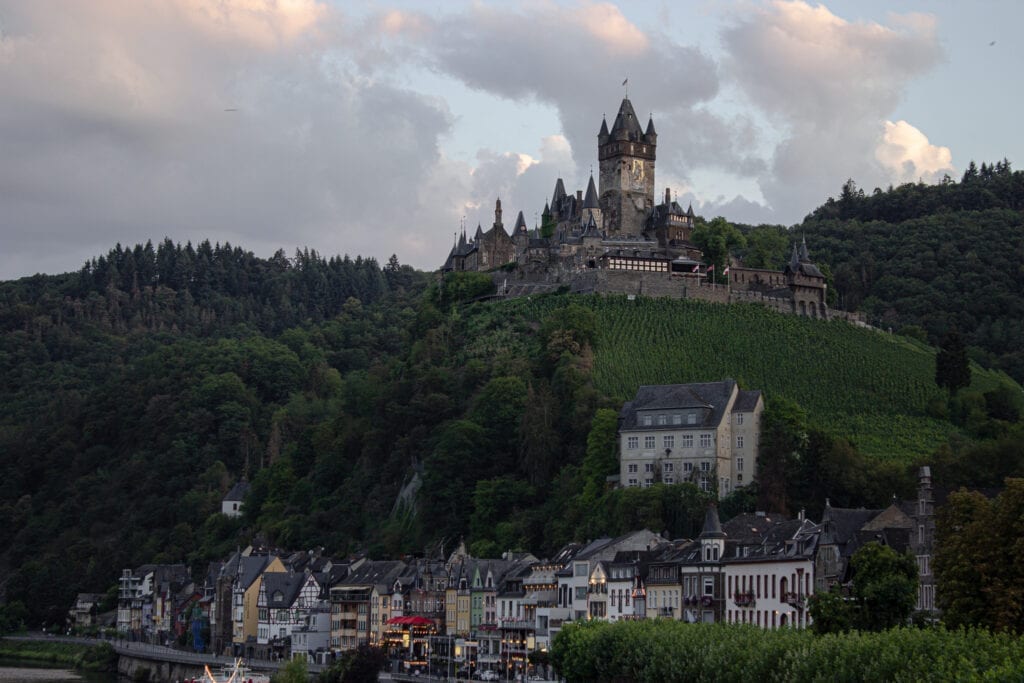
(222, 120)
(908, 155)
(828, 85)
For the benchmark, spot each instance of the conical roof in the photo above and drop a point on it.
(520, 223)
(712, 525)
(559, 193)
(626, 127)
(650, 127)
(590, 201)
(604, 127)
(805, 257)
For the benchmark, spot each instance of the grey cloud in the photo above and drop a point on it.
(137, 145)
(829, 85)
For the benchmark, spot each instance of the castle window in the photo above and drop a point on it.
(691, 418)
(669, 441)
(687, 441)
(669, 479)
(632, 442)
(739, 464)
(648, 467)
(668, 467)
(677, 419)
(648, 482)
(662, 420)
(739, 441)
(632, 468)
(705, 466)
(648, 442)
(633, 482)
(647, 420)
(739, 418)
(705, 441)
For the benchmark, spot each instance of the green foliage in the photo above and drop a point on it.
(457, 287)
(952, 369)
(979, 559)
(883, 597)
(362, 665)
(717, 239)
(884, 585)
(934, 256)
(295, 671)
(666, 651)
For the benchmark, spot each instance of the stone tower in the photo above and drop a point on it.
(626, 157)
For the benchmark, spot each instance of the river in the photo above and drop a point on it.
(29, 672)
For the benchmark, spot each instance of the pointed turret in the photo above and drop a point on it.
(590, 200)
(794, 259)
(712, 538)
(558, 195)
(626, 127)
(689, 212)
(650, 133)
(497, 213)
(712, 524)
(804, 256)
(479, 233)
(521, 223)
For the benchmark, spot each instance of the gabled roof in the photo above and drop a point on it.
(746, 401)
(237, 492)
(281, 588)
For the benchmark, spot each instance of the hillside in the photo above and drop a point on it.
(870, 387)
(126, 414)
(933, 257)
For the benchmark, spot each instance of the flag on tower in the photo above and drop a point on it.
(625, 81)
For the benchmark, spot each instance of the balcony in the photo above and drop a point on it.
(744, 599)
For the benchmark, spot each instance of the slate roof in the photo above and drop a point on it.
(712, 525)
(746, 401)
(590, 200)
(238, 491)
(288, 584)
(710, 397)
(626, 127)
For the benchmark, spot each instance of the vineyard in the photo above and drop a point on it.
(868, 386)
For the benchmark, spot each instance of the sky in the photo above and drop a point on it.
(378, 128)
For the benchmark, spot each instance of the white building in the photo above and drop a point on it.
(702, 433)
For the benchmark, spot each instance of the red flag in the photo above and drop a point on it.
(696, 268)
(726, 271)
(711, 267)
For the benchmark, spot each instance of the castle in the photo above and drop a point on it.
(614, 238)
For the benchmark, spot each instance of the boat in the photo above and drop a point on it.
(237, 672)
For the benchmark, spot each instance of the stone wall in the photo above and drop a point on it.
(138, 669)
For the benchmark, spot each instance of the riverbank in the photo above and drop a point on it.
(99, 657)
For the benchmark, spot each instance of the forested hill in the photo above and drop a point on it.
(933, 257)
(137, 391)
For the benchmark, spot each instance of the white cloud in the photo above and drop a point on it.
(909, 156)
(828, 84)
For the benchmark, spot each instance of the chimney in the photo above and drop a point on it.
(579, 197)
(668, 196)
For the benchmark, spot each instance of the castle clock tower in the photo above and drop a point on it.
(626, 156)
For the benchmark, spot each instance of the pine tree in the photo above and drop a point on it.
(952, 369)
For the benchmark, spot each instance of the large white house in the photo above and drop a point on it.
(702, 433)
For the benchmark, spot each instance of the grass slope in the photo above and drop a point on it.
(868, 386)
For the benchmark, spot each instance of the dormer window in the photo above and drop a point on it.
(647, 420)
(691, 418)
